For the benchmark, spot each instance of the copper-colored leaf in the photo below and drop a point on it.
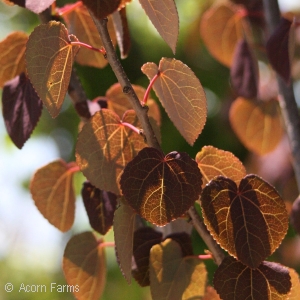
(161, 188)
(12, 50)
(211, 294)
(49, 59)
(213, 162)
(164, 16)
(257, 124)
(105, 146)
(84, 266)
(100, 207)
(52, 191)
(80, 23)
(248, 221)
(102, 8)
(295, 215)
(235, 281)
(221, 27)
(181, 94)
(295, 290)
(124, 222)
(173, 277)
(21, 108)
(37, 6)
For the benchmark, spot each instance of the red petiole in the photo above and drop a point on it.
(101, 50)
(146, 96)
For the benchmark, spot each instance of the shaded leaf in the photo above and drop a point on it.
(184, 240)
(102, 8)
(84, 266)
(295, 290)
(164, 16)
(221, 27)
(80, 23)
(248, 221)
(161, 188)
(37, 6)
(295, 215)
(12, 51)
(100, 207)
(257, 124)
(235, 281)
(105, 146)
(144, 239)
(173, 276)
(211, 294)
(213, 162)
(181, 94)
(52, 191)
(244, 71)
(124, 222)
(278, 49)
(21, 109)
(49, 59)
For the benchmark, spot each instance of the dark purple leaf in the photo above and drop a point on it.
(37, 6)
(22, 109)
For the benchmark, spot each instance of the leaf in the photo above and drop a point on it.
(248, 221)
(221, 27)
(184, 240)
(295, 215)
(105, 146)
(235, 281)
(102, 8)
(161, 188)
(21, 109)
(100, 207)
(295, 289)
(144, 239)
(52, 191)
(49, 59)
(173, 276)
(211, 294)
(164, 16)
(279, 49)
(84, 266)
(36, 6)
(124, 224)
(181, 94)
(244, 71)
(12, 50)
(257, 124)
(80, 23)
(213, 162)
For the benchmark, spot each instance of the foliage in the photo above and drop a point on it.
(131, 184)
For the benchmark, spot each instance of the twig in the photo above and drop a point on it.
(287, 100)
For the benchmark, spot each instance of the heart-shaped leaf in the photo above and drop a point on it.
(213, 162)
(248, 221)
(164, 16)
(100, 207)
(161, 188)
(21, 108)
(257, 124)
(102, 8)
(12, 51)
(84, 266)
(52, 191)
(181, 94)
(235, 281)
(49, 60)
(295, 290)
(174, 277)
(105, 146)
(36, 6)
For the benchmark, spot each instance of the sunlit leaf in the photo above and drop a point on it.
(49, 59)
(235, 281)
(102, 8)
(249, 221)
(105, 146)
(80, 23)
(12, 51)
(21, 109)
(295, 215)
(173, 276)
(181, 94)
(100, 207)
(37, 6)
(124, 222)
(164, 16)
(161, 188)
(213, 162)
(257, 124)
(221, 27)
(52, 191)
(84, 266)
(295, 290)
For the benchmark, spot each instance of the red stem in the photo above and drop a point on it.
(68, 8)
(146, 96)
(106, 244)
(101, 50)
(205, 256)
(132, 127)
